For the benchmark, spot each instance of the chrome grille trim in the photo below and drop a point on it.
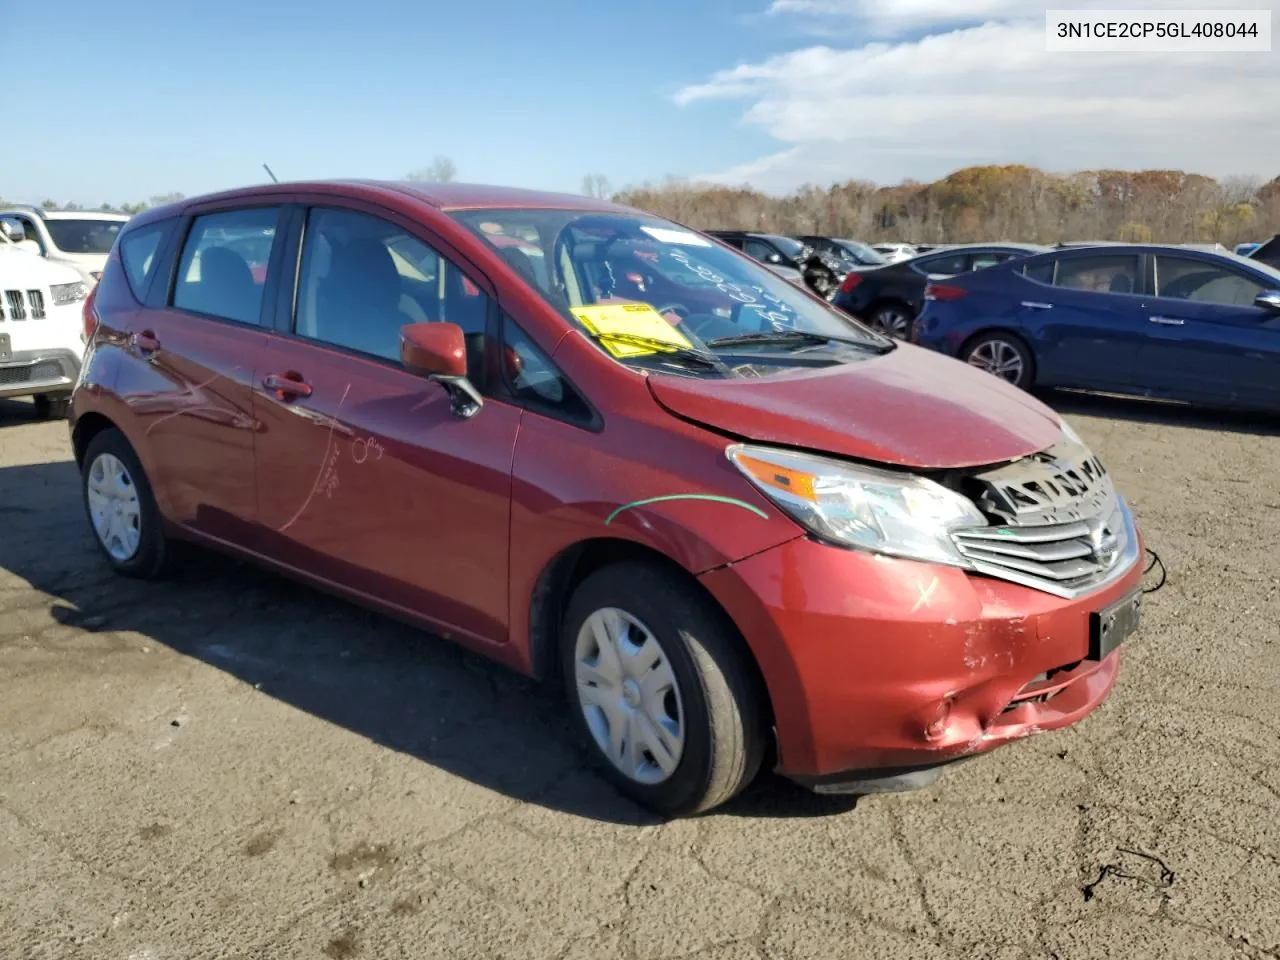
(1060, 526)
(36, 301)
(17, 307)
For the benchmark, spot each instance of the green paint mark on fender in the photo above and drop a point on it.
(687, 496)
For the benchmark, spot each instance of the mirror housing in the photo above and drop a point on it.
(13, 229)
(438, 351)
(775, 258)
(1268, 300)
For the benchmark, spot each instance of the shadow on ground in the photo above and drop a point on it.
(383, 680)
(1152, 411)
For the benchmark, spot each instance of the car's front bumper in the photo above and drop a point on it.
(25, 373)
(880, 670)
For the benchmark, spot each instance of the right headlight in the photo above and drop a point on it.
(862, 507)
(64, 293)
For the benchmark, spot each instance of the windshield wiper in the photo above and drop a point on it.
(660, 348)
(795, 336)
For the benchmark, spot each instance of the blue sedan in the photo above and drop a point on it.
(1143, 320)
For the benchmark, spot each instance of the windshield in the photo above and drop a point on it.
(84, 236)
(861, 252)
(624, 274)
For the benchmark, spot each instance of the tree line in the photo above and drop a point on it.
(970, 205)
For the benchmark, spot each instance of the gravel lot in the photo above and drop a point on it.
(232, 765)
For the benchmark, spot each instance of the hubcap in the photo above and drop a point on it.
(893, 322)
(629, 696)
(999, 358)
(114, 507)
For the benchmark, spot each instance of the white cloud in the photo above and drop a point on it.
(991, 93)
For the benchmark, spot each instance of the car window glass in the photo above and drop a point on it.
(1040, 272)
(138, 250)
(224, 264)
(980, 261)
(761, 251)
(947, 266)
(91, 235)
(1183, 278)
(1104, 273)
(534, 379)
(364, 278)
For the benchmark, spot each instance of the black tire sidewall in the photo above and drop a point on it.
(685, 787)
(152, 553)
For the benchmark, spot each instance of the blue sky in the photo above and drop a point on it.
(149, 97)
(141, 98)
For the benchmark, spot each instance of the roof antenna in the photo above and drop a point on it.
(270, 174)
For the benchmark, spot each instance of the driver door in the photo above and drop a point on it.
(368, 479)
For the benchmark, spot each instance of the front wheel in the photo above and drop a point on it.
(892, 319)
(661, 689)
(1003, 355)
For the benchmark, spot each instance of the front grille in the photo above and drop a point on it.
(35, 299)
(1059, 525)
(11, 375)
(17, 307)
(41, 371)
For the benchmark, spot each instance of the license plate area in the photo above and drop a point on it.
(1113, 624)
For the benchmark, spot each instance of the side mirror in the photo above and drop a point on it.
(775, 258)
(13, 230)
(438, 351)
(1268, 300)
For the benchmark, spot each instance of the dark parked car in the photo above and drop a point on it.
(787, 257)
(889, 297)
(857, 254)
(739, 530)
(1156, 321)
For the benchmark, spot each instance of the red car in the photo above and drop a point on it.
(737, 526)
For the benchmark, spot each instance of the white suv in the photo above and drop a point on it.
(41, 322)
(78, 238)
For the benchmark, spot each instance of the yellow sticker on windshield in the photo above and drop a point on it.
(630, 320)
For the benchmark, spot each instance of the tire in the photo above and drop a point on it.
(892, 319)
(1005, 355)
(713, 695)
(151, 557)
(52, 408)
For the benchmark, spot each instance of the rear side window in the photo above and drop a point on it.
(948, 265)
(224, 264)
(1105, 273)
(138, 249)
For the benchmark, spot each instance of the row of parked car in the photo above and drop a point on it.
(1196, 323)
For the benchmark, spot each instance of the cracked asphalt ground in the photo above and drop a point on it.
(230, 765)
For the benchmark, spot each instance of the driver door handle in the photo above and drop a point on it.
(1167, 321)
(285, 386)
(1036, 305)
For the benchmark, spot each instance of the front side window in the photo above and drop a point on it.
(1103, 273)
(759, 249)
(84, 236)
(634, 282)
(363, 278)
(223, 268)
(1183, 278)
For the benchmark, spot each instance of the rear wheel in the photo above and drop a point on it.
(893, 319)
(1003, 354)
(121, 508)
(661, 689)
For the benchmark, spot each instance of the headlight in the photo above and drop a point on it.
(64, 293)
(861, 507)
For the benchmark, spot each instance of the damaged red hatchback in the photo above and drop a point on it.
(602, 448)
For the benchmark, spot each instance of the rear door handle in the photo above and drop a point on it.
(1167, 321)
(284, 386)
(1036, 305)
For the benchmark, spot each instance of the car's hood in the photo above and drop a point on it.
(20, 269)
(910, 407)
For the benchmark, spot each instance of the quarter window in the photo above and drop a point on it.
(138, 249)
(224, 264)
(980, 261)
(534, 380)
(363, 278)
(946, 266)
(1106, 273)
(1182, 278)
